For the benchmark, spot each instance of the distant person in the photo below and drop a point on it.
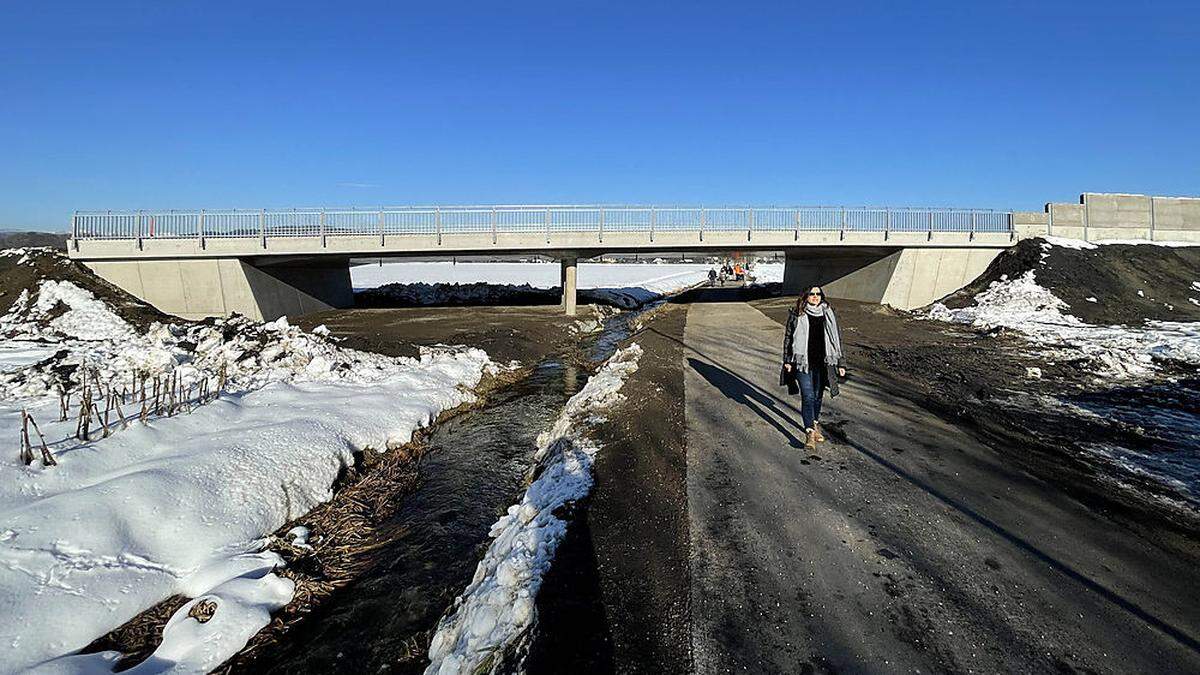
(812, 358)
(712, 276)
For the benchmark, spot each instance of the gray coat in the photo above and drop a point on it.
(795, 348)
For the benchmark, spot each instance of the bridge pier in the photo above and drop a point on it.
(569, 286)
(905, 278)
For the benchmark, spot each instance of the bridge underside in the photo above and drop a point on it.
(201, 288)
(265, 287)
(905, 278)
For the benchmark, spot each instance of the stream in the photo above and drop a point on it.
(475, 468)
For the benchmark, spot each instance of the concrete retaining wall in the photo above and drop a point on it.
(903, 278)
(1104, 216)
(197, 289)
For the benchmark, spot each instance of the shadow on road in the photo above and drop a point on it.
(740, 389)
(746, 394)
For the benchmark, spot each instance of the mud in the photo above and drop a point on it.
(616, 598)
(525, 334)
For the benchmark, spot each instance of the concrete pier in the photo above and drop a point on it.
(569, 283)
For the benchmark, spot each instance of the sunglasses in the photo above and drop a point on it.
(816, 295)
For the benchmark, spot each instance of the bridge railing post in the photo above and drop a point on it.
(703, 222)
(654, 218)
(930, 237)
(262, 226)
(139, 228)
(797, 237)
(437, 222)
(971, 237)
(887, 223)
(382, 220)
(547, 226)
(600, 230)
(494, 218)
(75, 229)
(842, 233)
(749, 222)
(200, 228)
(322, 225)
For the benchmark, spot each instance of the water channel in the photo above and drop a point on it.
(475, 468)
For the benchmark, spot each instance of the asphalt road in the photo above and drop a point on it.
(902, 546)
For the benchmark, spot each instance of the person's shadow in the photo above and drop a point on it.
(741, 392)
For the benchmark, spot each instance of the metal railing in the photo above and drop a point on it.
(509, 219)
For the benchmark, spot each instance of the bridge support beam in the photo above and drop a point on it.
(202, 288)
(569, 285)
(905, 278)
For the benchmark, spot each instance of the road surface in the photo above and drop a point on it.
(901, 546)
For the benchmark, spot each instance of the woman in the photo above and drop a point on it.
(812, 358)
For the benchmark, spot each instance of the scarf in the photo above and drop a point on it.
(816, 310)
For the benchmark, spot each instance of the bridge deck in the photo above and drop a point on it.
(460, 230)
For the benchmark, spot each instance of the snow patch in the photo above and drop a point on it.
(497, 608)
(1041, 317)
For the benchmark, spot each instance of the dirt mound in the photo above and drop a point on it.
(23, 270)
(1123, 284)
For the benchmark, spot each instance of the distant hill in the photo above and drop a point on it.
(23, 239)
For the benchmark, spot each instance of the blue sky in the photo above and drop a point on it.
(209, 104)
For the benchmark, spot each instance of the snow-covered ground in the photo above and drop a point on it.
(497, 607)
(183, 503)
(1045, 320)
(672, 276)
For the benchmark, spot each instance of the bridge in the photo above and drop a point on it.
(266, 263)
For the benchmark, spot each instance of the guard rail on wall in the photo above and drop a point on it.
(451, 220)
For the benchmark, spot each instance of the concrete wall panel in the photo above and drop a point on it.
(905, 278)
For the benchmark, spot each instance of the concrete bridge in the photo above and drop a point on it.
(269, 263)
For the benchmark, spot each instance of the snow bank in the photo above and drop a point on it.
(1023, 304)
(497, 608)
(181, 504)
(1116, 351)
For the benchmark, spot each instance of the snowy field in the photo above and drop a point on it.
(177, 493)
(537, 275)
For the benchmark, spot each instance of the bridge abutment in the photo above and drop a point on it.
(905, 278)
(201, 288)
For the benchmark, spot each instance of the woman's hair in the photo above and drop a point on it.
(800, 301)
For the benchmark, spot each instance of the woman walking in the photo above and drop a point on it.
(812, 358)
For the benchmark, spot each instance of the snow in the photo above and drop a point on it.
(84, 318)
(1115, 351)
(1079, 244)
(768, 273)
(537, 275)
(181, 504)
(16, 354)
(497, 608)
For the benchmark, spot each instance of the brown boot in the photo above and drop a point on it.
(810, 440)
(816, 432)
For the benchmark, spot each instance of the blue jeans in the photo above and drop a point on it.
(812, 388)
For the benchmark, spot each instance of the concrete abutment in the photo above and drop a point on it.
(201, 288)
(905, 278)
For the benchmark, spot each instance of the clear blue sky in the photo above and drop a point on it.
(210, 104)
